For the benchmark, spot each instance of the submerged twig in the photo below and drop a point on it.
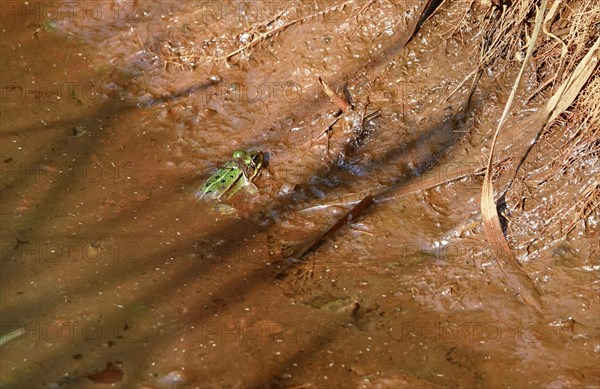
(467, 168)
(312, 244)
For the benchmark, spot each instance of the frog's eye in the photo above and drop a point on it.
(256, 157)
(239, 154)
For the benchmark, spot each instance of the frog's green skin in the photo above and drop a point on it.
(233, 176)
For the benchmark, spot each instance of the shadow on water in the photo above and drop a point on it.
(261, 278)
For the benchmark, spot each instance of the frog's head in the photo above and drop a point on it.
(252, 158)
(241, 154)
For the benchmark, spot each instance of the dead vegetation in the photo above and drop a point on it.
(570, 143)
(564, 60)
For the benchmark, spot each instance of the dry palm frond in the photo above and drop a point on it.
(505, 258)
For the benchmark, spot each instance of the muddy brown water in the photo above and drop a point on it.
(108, 258)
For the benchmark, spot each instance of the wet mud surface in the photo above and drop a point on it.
(114, 113)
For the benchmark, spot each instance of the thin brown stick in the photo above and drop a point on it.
(261, 37)
(353, 214)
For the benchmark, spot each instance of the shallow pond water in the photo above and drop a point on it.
(113, 115)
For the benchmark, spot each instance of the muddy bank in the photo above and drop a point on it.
(112, 117)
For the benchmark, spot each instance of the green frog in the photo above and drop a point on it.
(236, 174)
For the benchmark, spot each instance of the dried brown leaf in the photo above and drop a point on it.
(505, 258)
